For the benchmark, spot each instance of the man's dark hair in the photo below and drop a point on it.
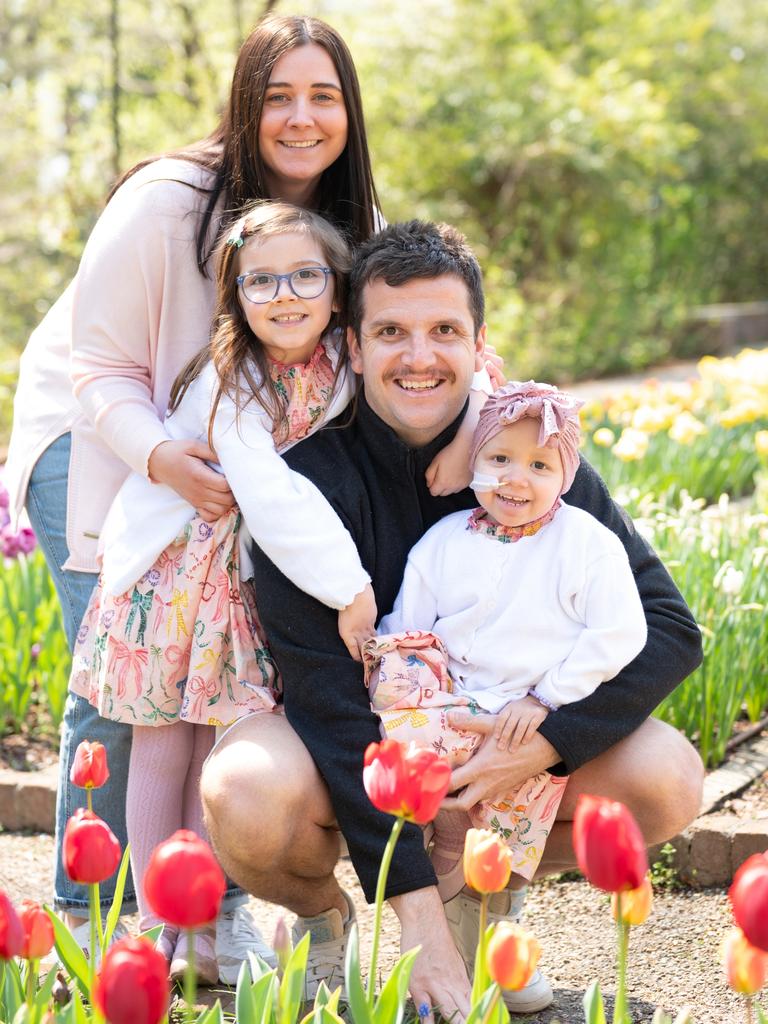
(410, 251)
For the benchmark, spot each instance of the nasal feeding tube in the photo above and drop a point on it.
(486, 482)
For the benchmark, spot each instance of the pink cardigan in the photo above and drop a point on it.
(136, 311)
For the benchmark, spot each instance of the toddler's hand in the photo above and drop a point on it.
(494, 364)
(182, 466)
(517, 722)
(357, 622)
(449, 471)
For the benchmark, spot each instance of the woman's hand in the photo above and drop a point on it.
(357, 622)
(492, 774)
(182, 466)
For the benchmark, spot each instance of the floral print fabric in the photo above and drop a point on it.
(412, 693)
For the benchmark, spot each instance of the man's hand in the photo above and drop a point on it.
(492, 774)
(439, 979)
(357, 622)
(182, 466)
(517, 722)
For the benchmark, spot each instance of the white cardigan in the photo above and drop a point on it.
(558, 611)
(285, 514)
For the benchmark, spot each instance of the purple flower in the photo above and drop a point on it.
(9, 542)
(4, 517)
(26, 539)
(4, 499)
(34, 651)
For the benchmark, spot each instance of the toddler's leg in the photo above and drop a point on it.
(160, 759)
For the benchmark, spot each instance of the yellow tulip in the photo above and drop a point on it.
(635, 904)
(686, 428)
(761, 442)
(746, 967)
(604, 437)
(631, 446)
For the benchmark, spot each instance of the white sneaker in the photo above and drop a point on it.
(82, 936)
(236, 936)
(463, 914)
(328, 934)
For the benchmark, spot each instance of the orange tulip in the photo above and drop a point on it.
(512, 955)
(635, 903)
(746, 967)
(487, 861)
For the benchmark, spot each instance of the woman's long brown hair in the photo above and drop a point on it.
(242, 365)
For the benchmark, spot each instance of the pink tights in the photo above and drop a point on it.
(163, 793)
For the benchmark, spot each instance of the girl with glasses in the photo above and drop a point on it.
(171, 637)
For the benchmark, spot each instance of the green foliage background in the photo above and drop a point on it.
(607, 158)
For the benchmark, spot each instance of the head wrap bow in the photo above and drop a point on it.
(557, 412)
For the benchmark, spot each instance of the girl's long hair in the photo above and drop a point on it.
(242, 365)
(346, 193)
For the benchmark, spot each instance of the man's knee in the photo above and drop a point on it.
(655, 771)
(256, 787)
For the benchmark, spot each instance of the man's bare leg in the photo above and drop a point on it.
(270, 819)
(654, 771)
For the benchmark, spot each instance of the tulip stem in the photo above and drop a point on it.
(190, 988)
(381, 886)
(94, 914)
(32, 969)
(89, 799)
(620, 1006)
(491, 1006)
(749, 1002)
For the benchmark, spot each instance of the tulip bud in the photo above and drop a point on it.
(487, 861)
(512, 955)
(89, 768)
(635, 903)
(405, 781)
(749, 898)
(132, 985)
(609, 846)
(90, 850)
(282, 943)
(11, 931)
(745, 966)
(183, 883)
(38, 931)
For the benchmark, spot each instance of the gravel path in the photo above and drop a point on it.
(674, 957)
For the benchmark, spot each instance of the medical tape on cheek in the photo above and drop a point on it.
(485, 482)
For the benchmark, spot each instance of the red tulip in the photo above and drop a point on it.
(609, 846)
(11, 931)
(512, 956)
(746, 967)
(132, 985)
(487, 861)
(183, 882)
(405, 781)
(38, 931)
(90, 850)
(749, 899)
(89, 768)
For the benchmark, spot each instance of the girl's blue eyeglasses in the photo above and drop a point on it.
(305, 283)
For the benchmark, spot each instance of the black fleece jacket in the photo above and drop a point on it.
(376, 484)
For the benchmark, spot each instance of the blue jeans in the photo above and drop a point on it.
(47, 509)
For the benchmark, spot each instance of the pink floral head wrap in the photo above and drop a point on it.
(557, 411)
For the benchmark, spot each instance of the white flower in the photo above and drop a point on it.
(729, 579)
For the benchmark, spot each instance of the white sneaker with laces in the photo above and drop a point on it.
(328, 935)
(463, 914)
(236, 936)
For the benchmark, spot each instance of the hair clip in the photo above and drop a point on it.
(236, 238)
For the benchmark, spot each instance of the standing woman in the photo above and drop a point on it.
(139, 307)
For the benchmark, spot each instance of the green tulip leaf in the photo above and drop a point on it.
(212, 1015)
(390, 1004)
(259, 967)
(12, 990)
(43, 994)
(263, 992)
(356, 997)
(76, 1010)
(245, 1004)
(117, 900)
(594, 1011)
(293, 983)
(481, 1007)
(153, 933)
(70, 954)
